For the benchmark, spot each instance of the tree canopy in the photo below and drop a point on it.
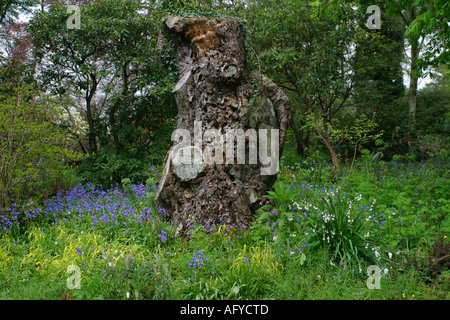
(109, 83)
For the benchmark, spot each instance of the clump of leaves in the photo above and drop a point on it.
(434, 263)
(439, 259)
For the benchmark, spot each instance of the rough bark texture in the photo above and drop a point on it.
(217, 90)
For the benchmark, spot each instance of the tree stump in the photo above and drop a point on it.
(231, 128)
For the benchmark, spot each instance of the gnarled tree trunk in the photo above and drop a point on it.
(220, 166)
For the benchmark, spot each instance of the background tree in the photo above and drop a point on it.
(435, 119)
(33, 148)
(379, 82)
(68, 57)
(112, 64)
(427, 30)
(311, 57)
(10, 9)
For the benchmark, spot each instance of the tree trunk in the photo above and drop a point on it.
(90, 120)
(333, 155)
(214, 173)
(298, 138)
(118, 103)
(413, 80)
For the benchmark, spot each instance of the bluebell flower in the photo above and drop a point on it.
(162, 236)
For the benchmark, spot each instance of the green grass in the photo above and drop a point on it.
(132, 260)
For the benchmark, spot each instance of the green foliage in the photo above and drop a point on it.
(336, 223)
(282, 195)
(192, 8)
(310, 222)
(422, 18)
(362, 131)
(103, 56)
(107, 167)
(432, 112)
(32, 147)
(400, 211)
(310, 59)
(379, 77)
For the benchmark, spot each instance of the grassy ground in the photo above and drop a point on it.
(314, 238)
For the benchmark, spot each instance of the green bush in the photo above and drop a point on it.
(336, 222)
(33, 149)
(107, 167)
(433, 103)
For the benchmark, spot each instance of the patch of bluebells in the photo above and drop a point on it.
(162, 236)
(197, 262)
(98, 206)
(9, 217)
(211, 228)
(378, 221)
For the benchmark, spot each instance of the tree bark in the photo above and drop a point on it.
(90, 120)
(298, 138)
(223, 109)
(413, 80)
(415, 51)
(333, 155)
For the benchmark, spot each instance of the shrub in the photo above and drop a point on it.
(33, 149)
(336, 222)
(107, 167)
